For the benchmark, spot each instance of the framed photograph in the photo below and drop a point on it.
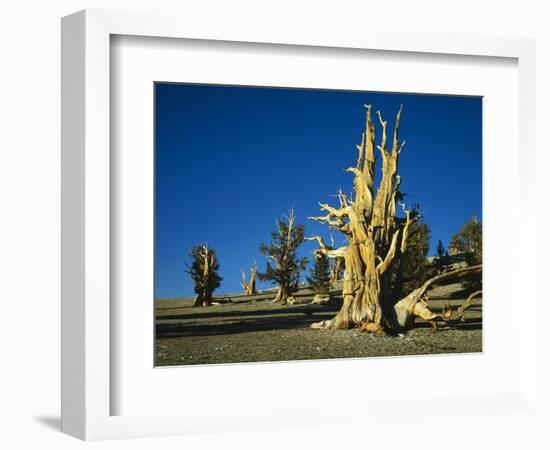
(270, 148)
(301, 227)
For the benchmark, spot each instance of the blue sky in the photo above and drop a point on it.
(230, 160)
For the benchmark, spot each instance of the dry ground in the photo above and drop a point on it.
(252, 329)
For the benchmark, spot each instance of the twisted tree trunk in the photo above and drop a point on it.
(374, 235)
(376, 239)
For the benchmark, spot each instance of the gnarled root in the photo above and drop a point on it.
(341, 321)
(415, 305)
(323, 325)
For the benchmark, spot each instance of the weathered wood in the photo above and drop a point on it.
(469, 302)
(415, 305)
(249, 286)
(376, 239)
(373, 233)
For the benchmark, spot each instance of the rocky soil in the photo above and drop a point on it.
(252, 329)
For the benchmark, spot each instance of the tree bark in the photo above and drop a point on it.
(373, 234)
(376, 238)
(335, 270)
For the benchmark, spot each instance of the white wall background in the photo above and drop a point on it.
(30, 195)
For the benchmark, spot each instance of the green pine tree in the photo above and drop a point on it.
(319, 279)
(441, 263)
(440, 249)
(414, 267)
(284, 266)
(204, 272)
(468, 240)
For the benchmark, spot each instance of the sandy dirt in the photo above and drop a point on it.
(253, 329)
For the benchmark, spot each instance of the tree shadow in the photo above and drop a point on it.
(270, 323)
(282, 311)
(468, 325)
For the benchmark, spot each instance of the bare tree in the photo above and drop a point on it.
(376, 241)
(249, 286)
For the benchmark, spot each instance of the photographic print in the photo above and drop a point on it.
(306, 224)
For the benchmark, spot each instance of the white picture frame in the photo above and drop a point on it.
(87, 326)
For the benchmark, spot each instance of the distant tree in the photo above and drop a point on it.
(441, 263)
(249, 286)
(468, 240)
(319, 279)
(440, 249)
(284, 266)
(204, 272)
(336, 270)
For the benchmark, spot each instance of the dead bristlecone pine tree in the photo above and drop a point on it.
(249, 286)
(204, 272)
(376, 241)
(284, 266)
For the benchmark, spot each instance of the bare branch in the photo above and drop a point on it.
(343, 198)
(395, 147)
(382, 146)
(244, 283)
(452, 275)
(327, 250)
(401, 147)
(383, 266)
(319, 240)
(341, 212)
(328, 219)
(469, 302)
(414, 303)
(290, 220)
(405, 228)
